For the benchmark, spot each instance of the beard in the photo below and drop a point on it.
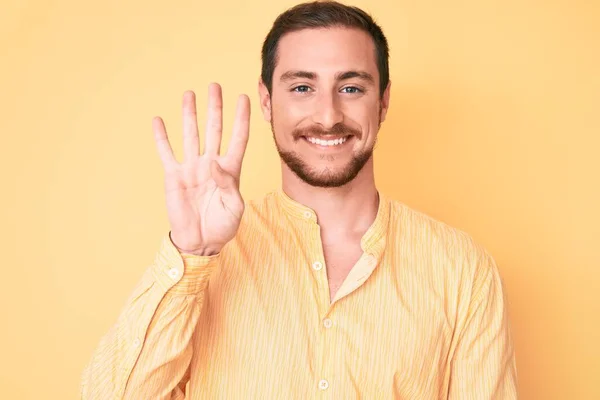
(326, 177)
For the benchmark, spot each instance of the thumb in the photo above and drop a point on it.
(222, 178)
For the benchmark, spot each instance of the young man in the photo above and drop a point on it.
(323, 288)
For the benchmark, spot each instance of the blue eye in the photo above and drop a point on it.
(301, 91)
(354, 89)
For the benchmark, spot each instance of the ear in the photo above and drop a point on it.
(265, 100)
(385, 101)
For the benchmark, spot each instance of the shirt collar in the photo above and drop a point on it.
(373, 241)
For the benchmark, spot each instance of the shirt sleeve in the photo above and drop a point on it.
(146, 354)
(484, 364)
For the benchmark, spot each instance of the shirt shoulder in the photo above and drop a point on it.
(446, 246)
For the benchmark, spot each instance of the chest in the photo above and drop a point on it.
(340, 258)
(257, 311)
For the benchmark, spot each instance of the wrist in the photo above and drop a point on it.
(200, 251)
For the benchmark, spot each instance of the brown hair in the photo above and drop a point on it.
(323, 14)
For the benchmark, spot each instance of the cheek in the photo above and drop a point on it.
(286, 119)
(291, 112)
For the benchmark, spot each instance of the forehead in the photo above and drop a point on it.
(326, 51)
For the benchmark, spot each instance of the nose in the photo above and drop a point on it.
(328, 111)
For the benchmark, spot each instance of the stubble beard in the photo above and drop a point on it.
(325, 178)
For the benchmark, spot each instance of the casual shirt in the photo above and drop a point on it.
(421, 315)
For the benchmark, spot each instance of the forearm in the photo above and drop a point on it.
(147, 353)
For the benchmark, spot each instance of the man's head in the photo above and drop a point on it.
(325, 89)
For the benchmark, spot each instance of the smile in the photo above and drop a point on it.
(320, 142)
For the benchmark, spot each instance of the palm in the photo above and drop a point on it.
(204, 204)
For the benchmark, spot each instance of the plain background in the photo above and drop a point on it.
(493, 128)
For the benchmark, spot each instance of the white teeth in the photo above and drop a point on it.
(320, 142)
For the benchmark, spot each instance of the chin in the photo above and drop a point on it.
(325, 176)
(326, 180)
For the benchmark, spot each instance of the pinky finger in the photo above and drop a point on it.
(165, 151)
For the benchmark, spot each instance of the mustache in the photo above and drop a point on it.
(317, 131)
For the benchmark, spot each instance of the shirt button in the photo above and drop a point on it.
(323, 384)
(317, 265)
(136, 342)
(328, 323)
(307, 214)
(173, 273)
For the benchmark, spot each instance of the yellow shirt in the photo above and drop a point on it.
(422, 315)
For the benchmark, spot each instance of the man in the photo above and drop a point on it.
(323, 288)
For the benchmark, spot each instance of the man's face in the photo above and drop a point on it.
(325, 107)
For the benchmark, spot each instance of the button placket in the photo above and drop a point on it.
(317, 263)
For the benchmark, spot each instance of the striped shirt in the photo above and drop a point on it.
(421, 315)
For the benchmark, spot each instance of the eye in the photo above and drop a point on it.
(301, 89)
(353, 89)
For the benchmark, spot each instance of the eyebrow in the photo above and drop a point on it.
(291, 75)
(365, 76)
(340, 76)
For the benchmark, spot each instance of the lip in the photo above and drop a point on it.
(329, 148)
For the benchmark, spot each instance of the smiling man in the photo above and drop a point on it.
(324, 288)
(330, 101)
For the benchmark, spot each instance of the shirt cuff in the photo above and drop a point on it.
(182, 273)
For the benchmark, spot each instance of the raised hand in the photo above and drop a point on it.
(204, 204)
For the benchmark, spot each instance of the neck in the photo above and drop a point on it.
(348, 209)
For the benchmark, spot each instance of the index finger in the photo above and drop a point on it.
(239, 137)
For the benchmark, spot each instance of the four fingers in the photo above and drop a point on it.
(214, 128)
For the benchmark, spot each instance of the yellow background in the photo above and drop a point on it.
(493, 128)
